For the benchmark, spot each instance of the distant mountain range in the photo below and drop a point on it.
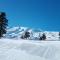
(17, 32)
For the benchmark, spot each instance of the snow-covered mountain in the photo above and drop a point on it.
(17, 32)
(12, 47)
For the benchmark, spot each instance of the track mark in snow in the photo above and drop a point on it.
(38, 50)
(41, 50)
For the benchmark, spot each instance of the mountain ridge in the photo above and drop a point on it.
(17, 32)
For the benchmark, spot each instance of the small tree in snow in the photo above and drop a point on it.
(43, 37)
(59, 35)
(26, 35)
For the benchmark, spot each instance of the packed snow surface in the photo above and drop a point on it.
(29, 50)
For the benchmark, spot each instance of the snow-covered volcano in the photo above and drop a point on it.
(17, 32)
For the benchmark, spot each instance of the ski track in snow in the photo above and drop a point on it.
(29, 50)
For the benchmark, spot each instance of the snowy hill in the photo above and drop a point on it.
(29, 50)
(17, 32)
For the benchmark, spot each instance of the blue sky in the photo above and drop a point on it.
(44, 14)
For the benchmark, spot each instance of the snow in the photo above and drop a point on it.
(29, 50)
(12, 29)
(17, 32)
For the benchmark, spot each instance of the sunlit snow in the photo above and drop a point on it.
(29, 50)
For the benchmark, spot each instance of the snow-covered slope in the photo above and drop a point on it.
(17, 32)
(29, 50)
